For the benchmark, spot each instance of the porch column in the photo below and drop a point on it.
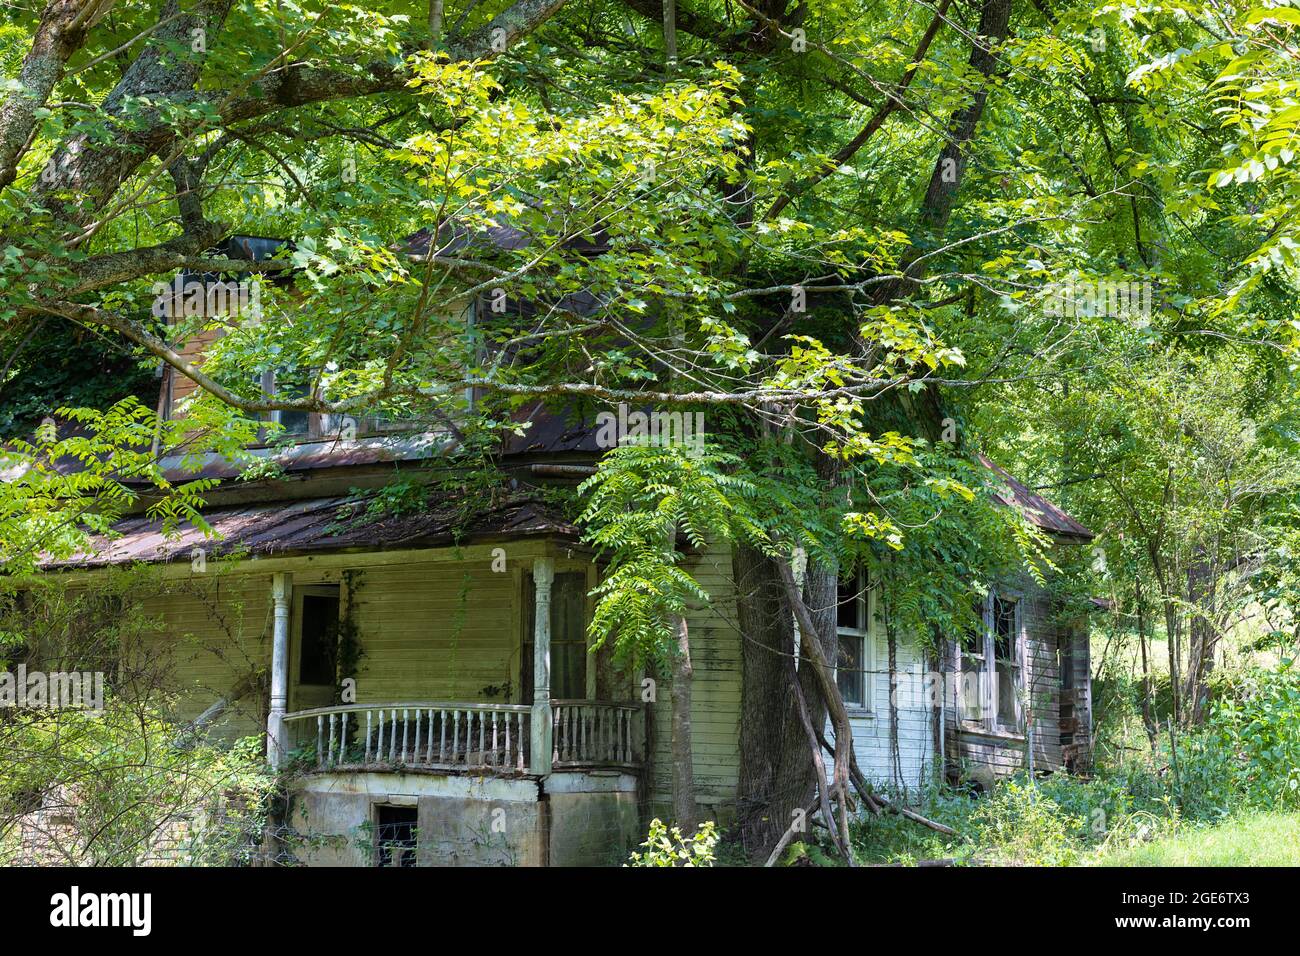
(539, 760)
(281, 592)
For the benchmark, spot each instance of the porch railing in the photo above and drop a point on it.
(455, 736)
(592, 733)
(438, 735)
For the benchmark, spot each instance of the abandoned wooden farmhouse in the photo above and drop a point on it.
(474, 726)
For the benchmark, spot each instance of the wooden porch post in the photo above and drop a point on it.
(281, 592)
(539, 758)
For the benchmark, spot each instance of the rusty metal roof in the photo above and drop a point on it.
(1034, 506)
(319, 454)
(317, 525)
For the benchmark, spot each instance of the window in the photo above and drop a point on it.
(318, 635)
(297, 426)
(1006, 663)
(970, 693)
(568, 637)
(991, 679)
(395, 833)
(852, 627)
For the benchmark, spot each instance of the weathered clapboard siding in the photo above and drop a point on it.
(450, 628)
(436, 631)
(715, 656)
(1043, 677)
(192, 351)
(1076, 702)
(872, 743)
(428, 631)
(215, 635)
(446, 628)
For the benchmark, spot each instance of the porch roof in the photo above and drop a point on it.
(320, 524)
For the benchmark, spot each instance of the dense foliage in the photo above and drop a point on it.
(864, 241)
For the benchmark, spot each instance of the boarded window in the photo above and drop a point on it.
(568, 637)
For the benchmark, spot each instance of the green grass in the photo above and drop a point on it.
(1257, 839)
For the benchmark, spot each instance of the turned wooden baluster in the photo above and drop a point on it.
(523, 740)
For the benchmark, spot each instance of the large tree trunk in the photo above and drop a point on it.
(684, 808)
(776, 773)
(777, 777)
(767, 671)
(59, 35)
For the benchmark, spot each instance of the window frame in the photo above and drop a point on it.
(989, 720)
(320, 426)
(409, 857)
(862, 633)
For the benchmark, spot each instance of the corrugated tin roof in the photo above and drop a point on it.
(315, 525)
(1034, 506)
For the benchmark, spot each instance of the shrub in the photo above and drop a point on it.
(667, 847)
(1257, 732)
(125, 788)
(1019, 823)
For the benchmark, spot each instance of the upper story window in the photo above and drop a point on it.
(300, 426)
(852, 627)
(992, 682)
(191, 297)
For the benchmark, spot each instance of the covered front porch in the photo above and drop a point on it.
(416, 675)
(515, 768)
(534, 733)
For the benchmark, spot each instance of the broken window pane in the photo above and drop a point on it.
(850, 669)
(395, 835)
(1004, 628)
(847, 612)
